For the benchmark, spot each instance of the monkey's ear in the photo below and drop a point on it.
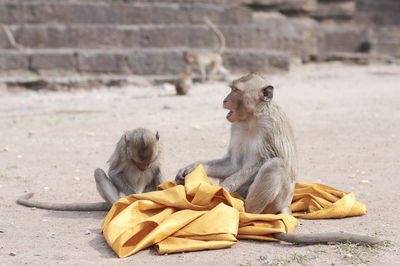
(267, 93)
(157, 136)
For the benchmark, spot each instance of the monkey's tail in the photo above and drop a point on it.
(10, 37)
(219, 34)
(94, 206)
(326, 238)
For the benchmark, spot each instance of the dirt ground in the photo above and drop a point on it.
(347, 126)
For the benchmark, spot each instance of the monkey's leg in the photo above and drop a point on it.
(203, 73)
(105, 187)
(271, 190)
(154, 183)
(119, 182)
(242, 179)
(215, 68)
(225, 72)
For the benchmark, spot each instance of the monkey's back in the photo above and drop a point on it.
(278, 136)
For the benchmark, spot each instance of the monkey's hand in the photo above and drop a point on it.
(183, 172)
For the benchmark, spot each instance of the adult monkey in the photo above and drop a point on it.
(261, 160)
(211, 61)
(134, 169)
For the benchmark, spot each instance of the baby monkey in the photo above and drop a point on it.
(184, 83)
(134, 169)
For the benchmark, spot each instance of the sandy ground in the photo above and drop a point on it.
(347, 126)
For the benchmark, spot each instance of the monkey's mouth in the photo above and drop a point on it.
(229, 114)
(142, 166)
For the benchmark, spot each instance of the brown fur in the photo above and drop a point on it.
(134, 165)
(134, 168)
(209, 62)
(184, 83)
(261, 160)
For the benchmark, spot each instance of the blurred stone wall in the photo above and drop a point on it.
(150, 37)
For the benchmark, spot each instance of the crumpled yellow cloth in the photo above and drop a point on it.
(317, 201)
(201, 216)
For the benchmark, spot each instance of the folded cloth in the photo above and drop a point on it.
(317, 201)
(200, 216)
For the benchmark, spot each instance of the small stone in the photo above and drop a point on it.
(76, 178)
(46, 188)
(12, 254)
(90, 134)
(167, 107)
(19, 156)
(87, 232)
(5, 149)
(196, 126)
(364, 181)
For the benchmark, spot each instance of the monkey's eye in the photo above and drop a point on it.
(234, 89)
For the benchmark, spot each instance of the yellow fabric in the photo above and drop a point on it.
(200, 216)
(317, 201)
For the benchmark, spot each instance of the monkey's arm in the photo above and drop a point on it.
(241, 177)
(220, 168)
(155, 181)
(118, 180)
(158, 178)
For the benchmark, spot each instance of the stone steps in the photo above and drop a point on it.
(119, 12)
(123, 37)
(345, 38)
(386, 41)
(271, 35)
(133, 61)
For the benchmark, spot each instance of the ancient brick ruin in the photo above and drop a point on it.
(149, 37)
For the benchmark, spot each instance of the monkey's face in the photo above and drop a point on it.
(143, 155)
(238, 109)
(189, 58)
(247, 93)
(143, 150)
